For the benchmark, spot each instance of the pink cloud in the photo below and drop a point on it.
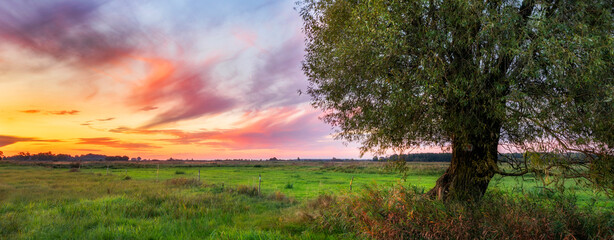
(249, 38)
(273, 128)
(148, 108)
(189, 87)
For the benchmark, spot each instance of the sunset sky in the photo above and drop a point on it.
(158, 79)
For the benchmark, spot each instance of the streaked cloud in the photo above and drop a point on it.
(31, 111)
(272, 128)
(105, 119)
(61, 112)
(8, 140)
(188, 87)
(64, 112)
(115, 143)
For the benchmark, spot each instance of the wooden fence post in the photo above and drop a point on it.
(259, 181)
(158, 173)
(351, 181)
(107, 169)
(199, 175)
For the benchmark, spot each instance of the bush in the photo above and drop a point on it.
(289, 186)
(400, 213)
(280, 197)
(179, 172)
(247, 190)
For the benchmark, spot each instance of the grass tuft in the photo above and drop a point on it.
(183, 182)
(246, 190)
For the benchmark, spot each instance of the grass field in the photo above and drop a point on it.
(139, 201)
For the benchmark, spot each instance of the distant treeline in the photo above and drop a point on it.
(417, 157)
(438, 157)
(48, 156)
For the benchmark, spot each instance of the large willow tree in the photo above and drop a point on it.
(471, 76)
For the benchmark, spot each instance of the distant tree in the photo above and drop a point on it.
(1, 155)
(23, 156)
(470, 76)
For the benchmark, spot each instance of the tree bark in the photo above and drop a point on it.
(472, 167)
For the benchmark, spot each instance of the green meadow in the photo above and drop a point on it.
(167, 201)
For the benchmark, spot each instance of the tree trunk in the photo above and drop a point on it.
(472, 166)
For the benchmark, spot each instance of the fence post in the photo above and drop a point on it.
(351, 181)
(199, 175)
(158, 173)
(107, 169)
(259, 181)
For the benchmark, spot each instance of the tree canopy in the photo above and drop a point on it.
(472, 76)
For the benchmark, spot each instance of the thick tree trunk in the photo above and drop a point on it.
(471, 169)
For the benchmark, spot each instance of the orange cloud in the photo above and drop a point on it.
(105, 119)
(64, 112)
(31, 111)
(114, 143)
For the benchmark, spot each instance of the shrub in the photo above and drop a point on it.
(289, 186)
(400, 213)
(179, 172)
(280, 197)
(247, 190)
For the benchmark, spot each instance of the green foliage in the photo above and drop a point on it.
(179, 172)
(534, 75)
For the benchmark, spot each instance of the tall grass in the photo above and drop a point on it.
(404, 213)
(41, 203)
(44, 202)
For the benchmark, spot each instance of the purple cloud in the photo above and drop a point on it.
(68, 30)
(8, 140)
